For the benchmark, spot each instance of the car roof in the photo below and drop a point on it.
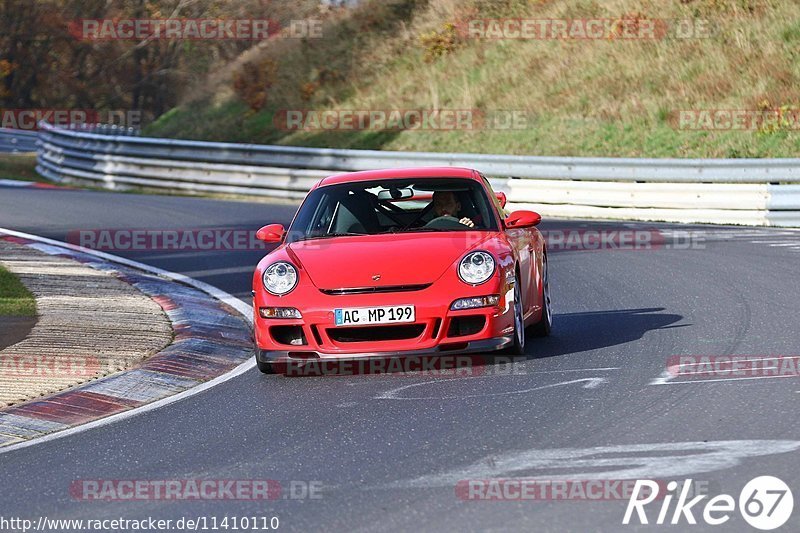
(400, 173)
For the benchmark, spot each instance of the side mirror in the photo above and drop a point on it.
(522, 219)
(501, 196)
(271, 233)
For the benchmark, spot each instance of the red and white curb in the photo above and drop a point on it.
(18, 184)
(212, 345)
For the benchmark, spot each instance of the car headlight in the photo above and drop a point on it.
(476, 268)
(280, 278)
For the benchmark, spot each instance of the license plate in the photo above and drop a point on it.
(364, 316)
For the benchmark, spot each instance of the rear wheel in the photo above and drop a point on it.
(545, 324)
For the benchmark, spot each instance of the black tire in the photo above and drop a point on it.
(545, 325)
(518, 346)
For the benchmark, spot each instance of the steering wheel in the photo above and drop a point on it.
(445, 222)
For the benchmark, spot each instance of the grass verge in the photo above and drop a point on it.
(580, 97)
(15, 299)
(19, 167)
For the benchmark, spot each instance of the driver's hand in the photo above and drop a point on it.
(467, 222)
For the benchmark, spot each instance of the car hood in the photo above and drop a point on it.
(410, 259)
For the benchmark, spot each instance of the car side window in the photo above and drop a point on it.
(323, 216)
(500, 209)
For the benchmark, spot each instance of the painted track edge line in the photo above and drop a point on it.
(244, 309)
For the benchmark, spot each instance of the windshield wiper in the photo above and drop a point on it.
(416, 230)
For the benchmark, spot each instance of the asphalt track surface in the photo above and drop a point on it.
(389, 450)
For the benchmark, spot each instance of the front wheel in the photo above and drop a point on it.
(518, 346)
(545, 324)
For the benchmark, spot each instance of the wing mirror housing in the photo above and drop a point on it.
(522, 219)
(502, 198)
(271, 233)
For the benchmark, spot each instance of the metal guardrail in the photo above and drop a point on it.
(17, 140)
(105, 129)
(737, 191)
(14, 140)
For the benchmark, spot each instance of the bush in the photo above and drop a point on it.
(253, 81)
(440, 43)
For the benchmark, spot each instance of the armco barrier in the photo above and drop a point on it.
(723, 191)
(17, 140)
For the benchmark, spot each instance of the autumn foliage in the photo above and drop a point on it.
(43, 64)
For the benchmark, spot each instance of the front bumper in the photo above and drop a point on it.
(472, 347)
(436, 329)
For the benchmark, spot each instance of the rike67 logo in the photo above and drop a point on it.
(765, 503)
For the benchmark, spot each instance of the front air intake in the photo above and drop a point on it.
(375, 290)
(376, 333)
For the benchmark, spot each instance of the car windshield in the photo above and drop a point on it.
(393, 206)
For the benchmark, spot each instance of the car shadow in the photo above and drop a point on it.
(572, 332)
(582, 332)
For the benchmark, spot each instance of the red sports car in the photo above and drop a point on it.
(404, 262)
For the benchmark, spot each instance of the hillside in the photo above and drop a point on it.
(619, 94)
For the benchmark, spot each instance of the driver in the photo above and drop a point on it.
(446, 204)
